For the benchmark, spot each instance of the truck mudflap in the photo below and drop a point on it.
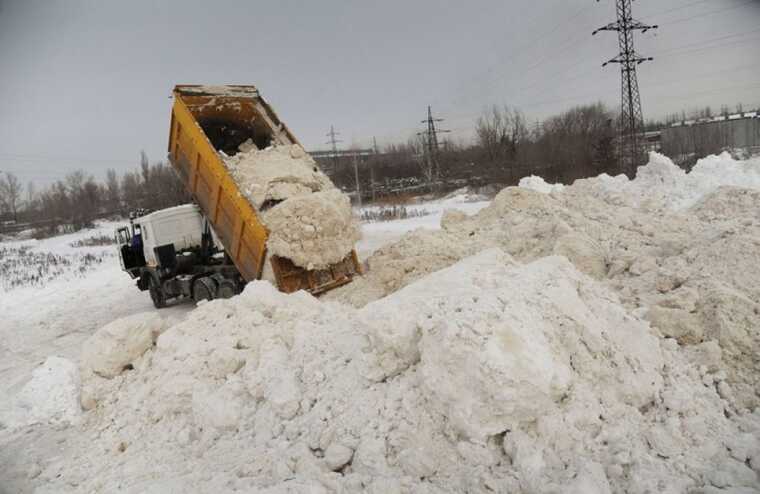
(292, 278)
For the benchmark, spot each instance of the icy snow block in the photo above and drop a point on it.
(314, 231)
(116, 345)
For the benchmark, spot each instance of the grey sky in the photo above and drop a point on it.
(86, 84)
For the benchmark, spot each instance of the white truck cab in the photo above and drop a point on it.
(175, 252)
(180, 225)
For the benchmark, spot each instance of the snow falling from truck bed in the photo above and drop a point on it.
(309, 220)
(599, 338)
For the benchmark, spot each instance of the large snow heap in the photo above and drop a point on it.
(599, 338)
(310, 221)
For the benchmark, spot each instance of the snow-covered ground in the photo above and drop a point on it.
(54, 313)
(600, 337)
(376, 234)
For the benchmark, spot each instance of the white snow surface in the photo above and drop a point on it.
(489, 375)
(599, 339)
(660, 184)
(50, 397)
(538, 184)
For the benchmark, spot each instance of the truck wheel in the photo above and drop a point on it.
(226, 289)
(204, 289)
(157, 294)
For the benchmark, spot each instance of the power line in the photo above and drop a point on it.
(674, 9)
(699, 47)
(705, 14)
(483, 80)
(631, 116)
(676, 49)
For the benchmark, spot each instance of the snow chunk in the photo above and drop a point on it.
(276, 173)
(314, 230)
(309, 221)
(337, 455)
(119, 343)
(538, 184)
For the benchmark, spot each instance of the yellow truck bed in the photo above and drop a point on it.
(209, 118)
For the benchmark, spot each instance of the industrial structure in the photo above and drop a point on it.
(631, 148)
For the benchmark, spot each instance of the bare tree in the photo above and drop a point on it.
(112, 191)
(575, 142)
(501, 133)
(10, 193)
(131, 190)
(426, 164)
(490, 130)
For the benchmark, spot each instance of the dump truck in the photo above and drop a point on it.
(214, 247)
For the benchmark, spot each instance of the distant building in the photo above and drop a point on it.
(739, 131)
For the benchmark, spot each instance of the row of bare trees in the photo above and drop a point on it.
(78, 199)
(574, 144)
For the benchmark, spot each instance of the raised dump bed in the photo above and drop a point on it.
(208, 119)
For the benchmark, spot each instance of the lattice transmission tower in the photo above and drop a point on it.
(430, 145)
(631, 149)
(334, 145)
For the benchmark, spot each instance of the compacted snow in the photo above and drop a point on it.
(309, 219)
(599, 337)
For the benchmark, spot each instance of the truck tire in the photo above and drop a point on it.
(157, 294)
(204, 289)
(226, 289)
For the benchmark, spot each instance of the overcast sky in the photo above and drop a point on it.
(87, 84)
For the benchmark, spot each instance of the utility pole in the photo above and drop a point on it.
(372, 167)
(430, 144)
(334, 142)
(631, 116)
(356, 179)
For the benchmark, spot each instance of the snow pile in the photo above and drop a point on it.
(691, 273)
(538, 184)
(309, 220)
(660, 184)
(314, 230)
(485, 376)
(52, 396)
(602, 339)
(276, 173)
(728, 203)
